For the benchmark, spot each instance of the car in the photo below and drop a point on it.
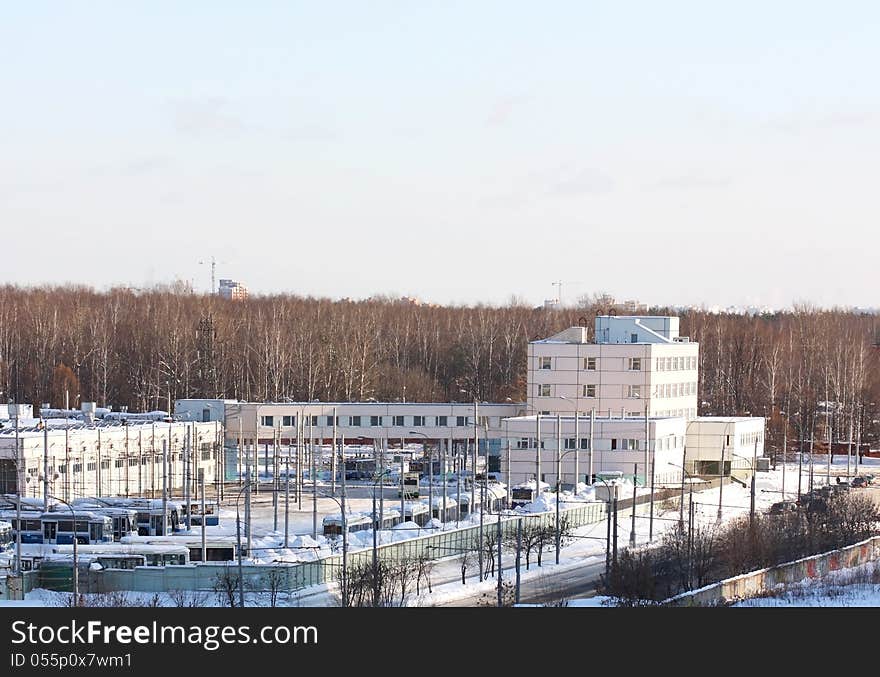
(783, 507)
(859, 482)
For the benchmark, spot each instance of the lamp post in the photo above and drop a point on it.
(690, 514)
(344, 535)
(558, 491)
(608, 534)
(752, 462)
(75, 551)
(246, 486)
(377, 524)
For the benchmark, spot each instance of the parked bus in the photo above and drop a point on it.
(31, 527)
(87, 527)
(194, 508)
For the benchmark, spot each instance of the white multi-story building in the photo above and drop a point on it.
(636, 364)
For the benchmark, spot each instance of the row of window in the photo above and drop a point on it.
(133, 461)
(749, 439)
(688, 362)
(631, 391)
(675, 389)
(634, 363)
(376, 421)
(617, 444)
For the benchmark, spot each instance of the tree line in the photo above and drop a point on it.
(808, 370)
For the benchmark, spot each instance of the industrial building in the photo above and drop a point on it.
(636, 380)
(73, 458)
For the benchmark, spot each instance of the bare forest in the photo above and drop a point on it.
(815, 369)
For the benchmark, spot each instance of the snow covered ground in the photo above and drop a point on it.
(587, 547)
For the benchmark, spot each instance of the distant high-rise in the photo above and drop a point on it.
(233, 290)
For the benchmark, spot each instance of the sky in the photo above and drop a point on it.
(462, 152)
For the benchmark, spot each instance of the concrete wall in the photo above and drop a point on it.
(757, 582)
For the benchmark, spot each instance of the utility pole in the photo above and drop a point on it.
(314, 481)
(498, 536)
(165, 444)
(204, 519)
(518, 554)
(46, 467)
(592, 448)
(287, 498)
(632, 531)
(186, 450)
(537, 455)
(476, 444)
(615, 526)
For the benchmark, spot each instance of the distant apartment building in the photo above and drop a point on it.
(233, 290)
(634, 364)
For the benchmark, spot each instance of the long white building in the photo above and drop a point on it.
(72, 459)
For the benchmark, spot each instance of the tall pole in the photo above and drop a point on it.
(314, 479)
(653, 459)
(577, 452)
(186, 451)
(247, 507)
(614, 555)
(608, 533)
(430, 478)
(402, 489)
(592, 447)
(275, 479)
(721, 472)
(558, 455)
(849, 445)
(784, 450)
(509, 485)
(204, 519)
(19, 482)
(375, 577)
(858, 437)
(165, 445)
(474, 469)
(754, 468)
(344, 530)
(632, 530)
(498, 536)
(238, 542)
(828, 466)
(518, 554)
(537, 455)
(333, 460)
(287, 498)
(46, 466)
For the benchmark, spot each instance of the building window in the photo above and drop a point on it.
(356, 421)
(418, 421)
(206, 455)
(523, 443)
(62, 469)
(630, 444)
(375, 421)
(118, 463)
(398, 421)
(590, 391)
(633, 338)
(105, 465)
(585, 443)
(543, 390)
(330, 420)
(668, 364)
(590, 363)
(92, 466)
(569, 442)
(267, 421)
(545, 363)
(461, 421)
(613, 444)
(313, 420)
(659, 364)
(635, 363)
(441, 421)
(288, 421)
(634, 391)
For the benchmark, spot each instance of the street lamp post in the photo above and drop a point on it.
(75, 551)
(752, 463)
(558, 492)
(608, 512)
(246, 487)
(377, 524)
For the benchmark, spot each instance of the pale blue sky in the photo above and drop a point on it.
(675, 152)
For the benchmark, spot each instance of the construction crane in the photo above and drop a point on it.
(213, 263)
